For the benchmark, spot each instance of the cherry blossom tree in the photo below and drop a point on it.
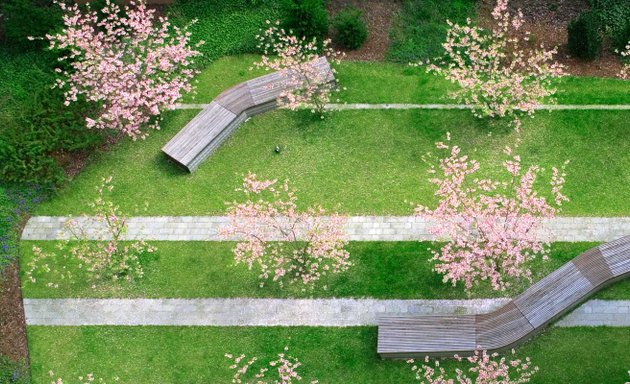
(107, 257)
(131, 64)
(497, 74)
(304, 83)
(625, 71)
(284, 243)
(283, 370)
(484, 369)
(491, 227)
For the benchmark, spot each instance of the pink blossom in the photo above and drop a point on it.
(283, 370)
(625, 71)
(484, 369)
(305, 85)
(130, 64)
(497, 75)
(284, 243)
(491, 226)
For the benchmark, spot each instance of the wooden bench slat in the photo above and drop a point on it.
(215, 123)
(401, 337)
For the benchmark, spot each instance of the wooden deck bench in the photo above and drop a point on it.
(216, 122)
(401, 337)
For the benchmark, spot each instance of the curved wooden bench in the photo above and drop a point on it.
(215, 123)
(544, 302)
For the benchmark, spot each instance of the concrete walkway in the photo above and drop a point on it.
(350, 106)
(283, 312)
(358, 228)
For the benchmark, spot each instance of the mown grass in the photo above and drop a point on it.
(359, 162)
(333, 355)
(392, 270)
(371, 82)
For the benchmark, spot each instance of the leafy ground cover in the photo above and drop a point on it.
(227, 27)
(357, 162)
(419, 29)
(333, 355)
(388, 270)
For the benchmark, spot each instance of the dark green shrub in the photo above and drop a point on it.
(13, 373)
(23, 18)
(621, 40)
(614, 18)
(307, 18)
(585, 40)
(350, 29)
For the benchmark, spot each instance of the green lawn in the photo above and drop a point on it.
(393, 270)
(371, 82)
(189, 355)
(358, 162)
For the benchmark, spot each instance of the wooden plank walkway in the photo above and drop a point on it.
(401, 337)
(219, 119)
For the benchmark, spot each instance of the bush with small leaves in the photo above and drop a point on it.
(585, 40)
(306, 18)
(350, 28)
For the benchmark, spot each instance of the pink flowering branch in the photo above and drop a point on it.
(625, 71)
(129, 63)
(284, 243)
(483, 368)
(491, 226)
(108, 257)
(304, 83)
(496, 73)
(87, 379)
(283, 370)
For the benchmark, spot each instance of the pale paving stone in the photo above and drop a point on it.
(284, 312)
(358, 228)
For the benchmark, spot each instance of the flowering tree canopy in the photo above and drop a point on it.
(491, 225)
(484, 369)
(130, 64)
(106, 258)
(305, 83)
(282, 242)
(498, 76)
(625, 71)
(283, 370)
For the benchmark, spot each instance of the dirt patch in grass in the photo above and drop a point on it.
(547, 20)
(12, 322)
(378, 15)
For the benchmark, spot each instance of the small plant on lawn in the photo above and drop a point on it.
(131, 64)
(87, 379)
(484, 369)
(490, 226)
(285, 244)
(107, 257)
(304, 83)
(283, 370)
(625, 71)
(498, 75)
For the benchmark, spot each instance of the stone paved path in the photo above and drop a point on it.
(549, 107)
(359, 228)
(282, 312)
